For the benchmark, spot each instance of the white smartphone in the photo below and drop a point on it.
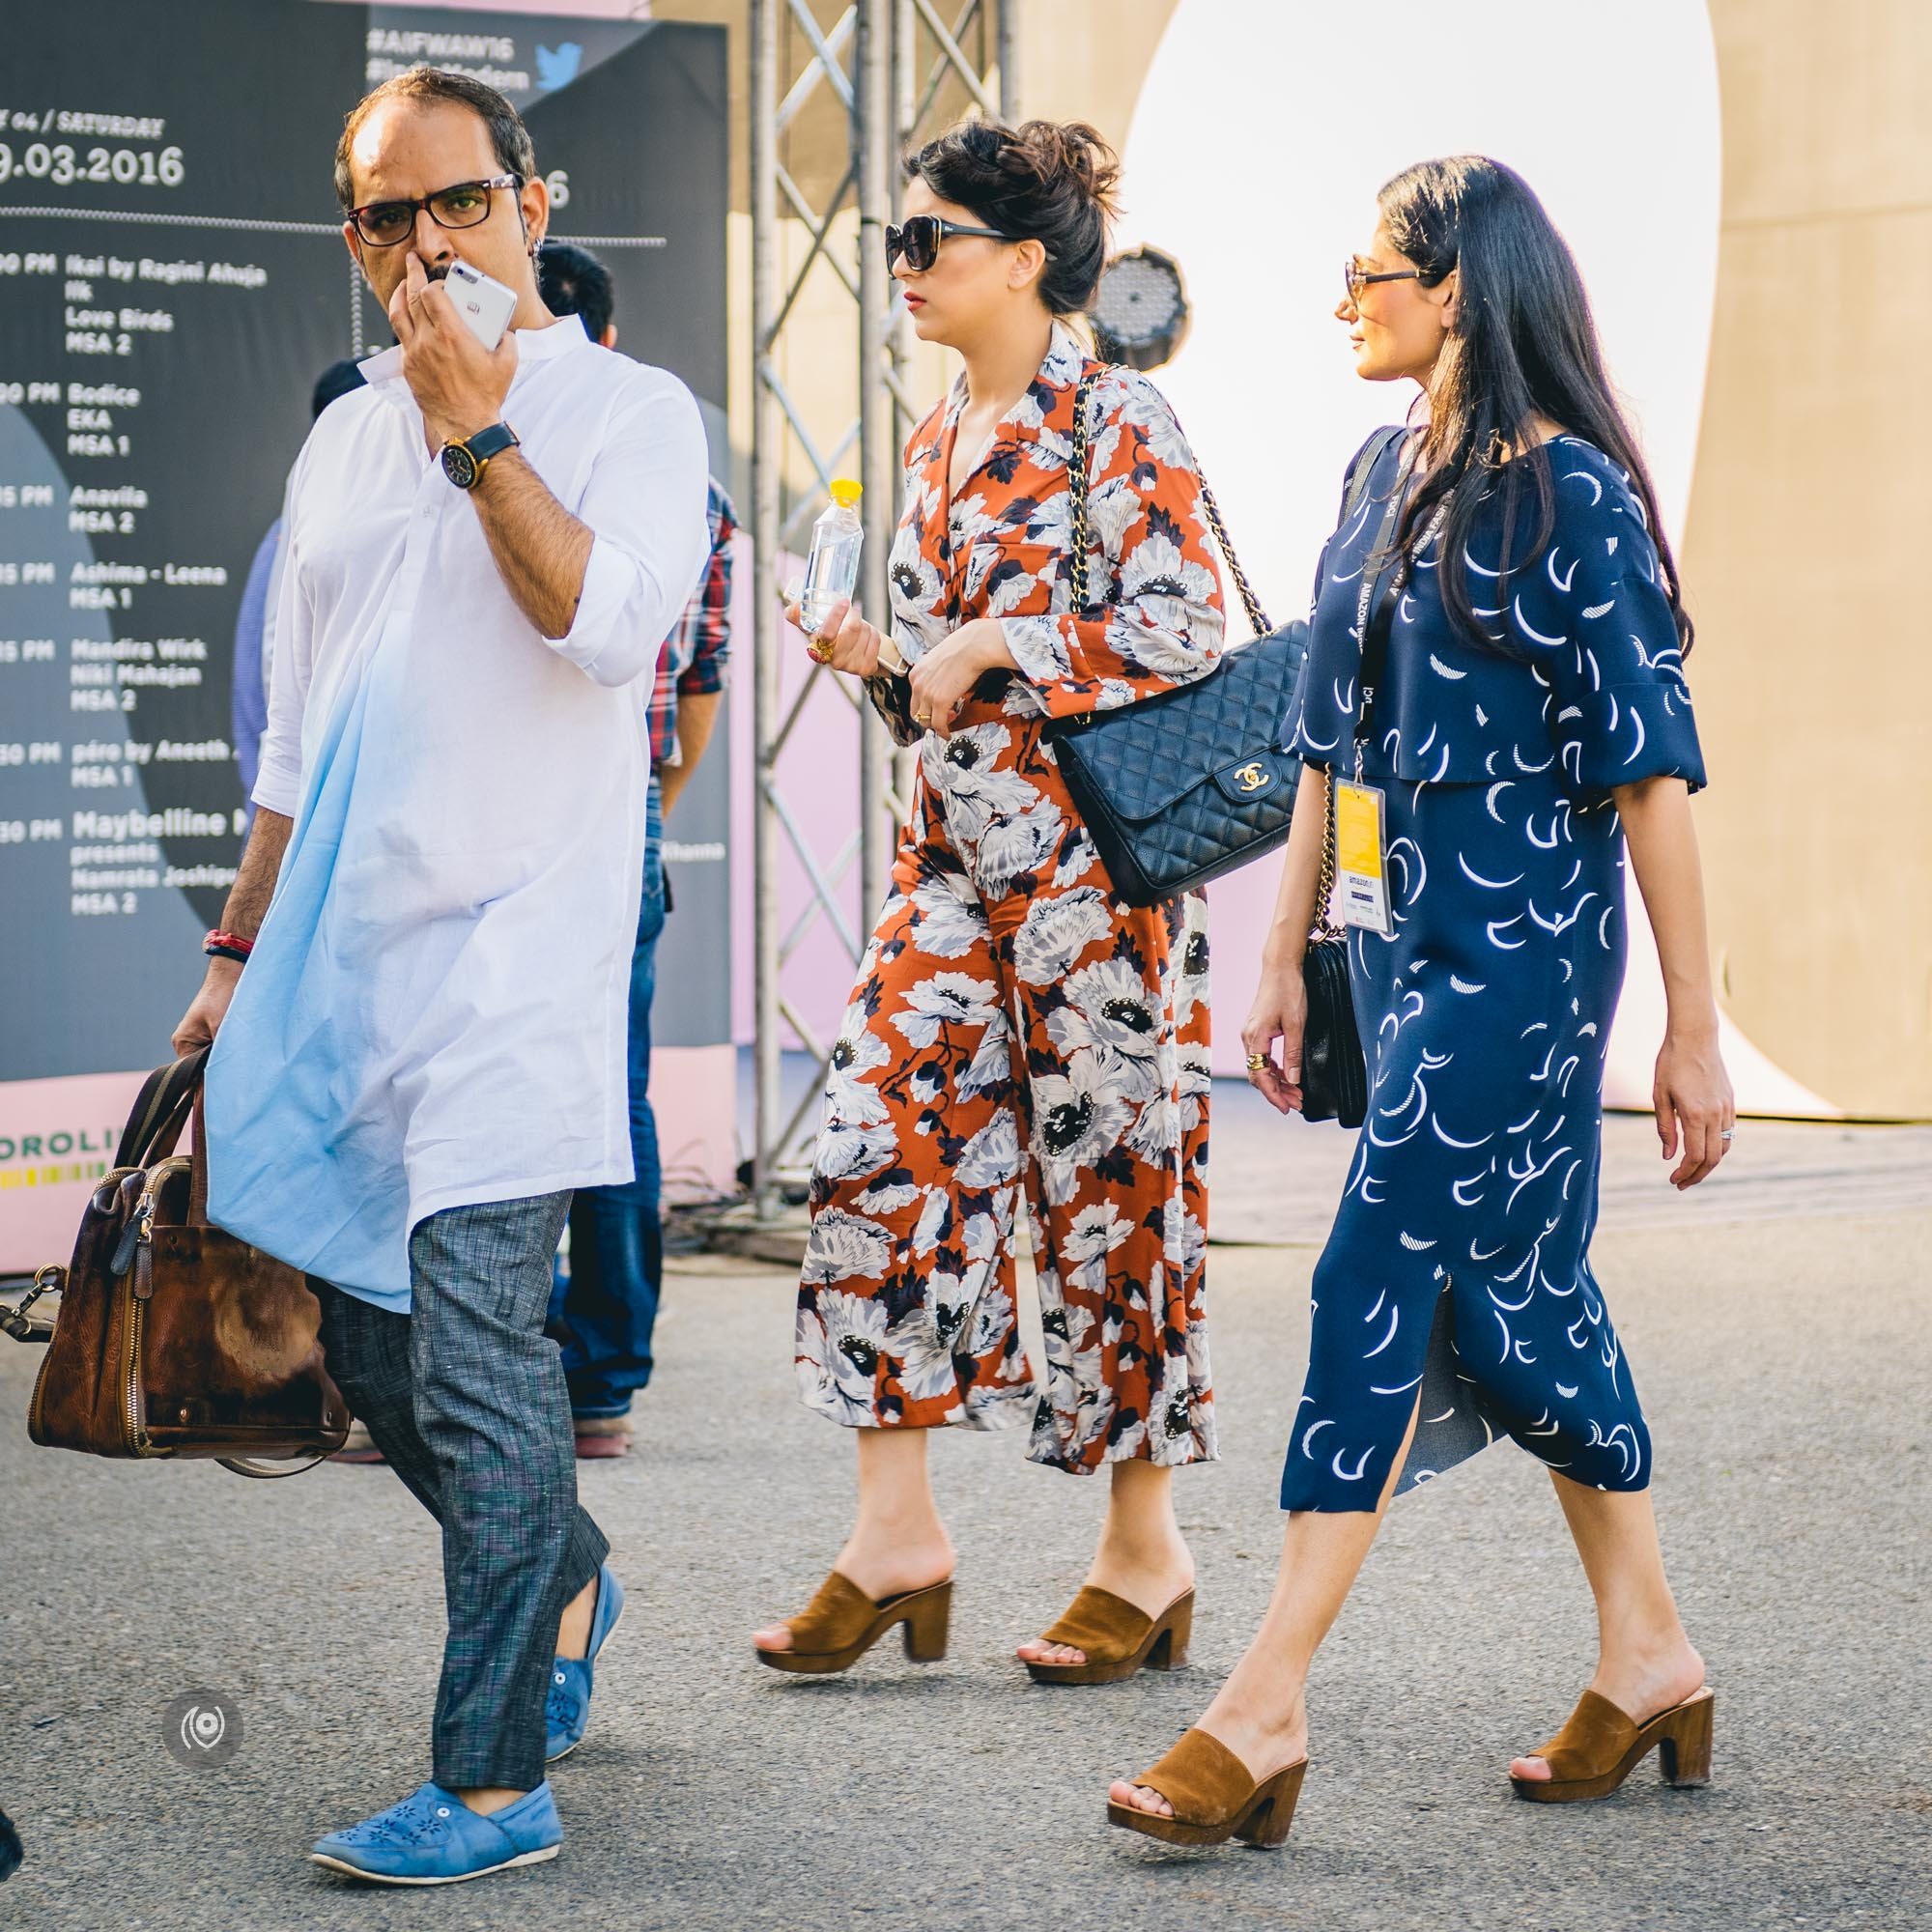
(485, 304)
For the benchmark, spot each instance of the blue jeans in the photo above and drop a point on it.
(603, 1309)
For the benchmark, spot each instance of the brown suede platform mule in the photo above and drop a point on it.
(841, 1624)
(1117, 1637)
(1601, 1746)
(1213, 1797)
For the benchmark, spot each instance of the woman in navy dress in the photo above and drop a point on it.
(1526, 719)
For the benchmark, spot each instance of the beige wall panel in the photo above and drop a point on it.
(1086, 61)
(1824, 105)
(1813, 671)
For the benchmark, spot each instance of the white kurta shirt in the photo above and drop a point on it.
(436, 1010)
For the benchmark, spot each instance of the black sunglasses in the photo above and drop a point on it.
(1357, 278)
(465, 205)
(919, 239)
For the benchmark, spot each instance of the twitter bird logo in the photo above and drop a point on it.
(556, 67)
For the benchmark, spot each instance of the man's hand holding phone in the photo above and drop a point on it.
(458, 384)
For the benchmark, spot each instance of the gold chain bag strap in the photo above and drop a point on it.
(1079, 482)
(1199, 724)
(1179, 786)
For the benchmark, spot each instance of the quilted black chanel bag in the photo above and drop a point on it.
(1181, 788)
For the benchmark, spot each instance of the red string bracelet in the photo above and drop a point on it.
(220, 945)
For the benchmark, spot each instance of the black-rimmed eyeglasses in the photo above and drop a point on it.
(1357, 278)
(464, 205)
(919, 237)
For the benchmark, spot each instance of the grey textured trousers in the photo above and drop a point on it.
(465, 1396)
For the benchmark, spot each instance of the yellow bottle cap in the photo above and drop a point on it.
(846, 492)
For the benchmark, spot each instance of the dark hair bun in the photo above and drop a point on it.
(1048, 182)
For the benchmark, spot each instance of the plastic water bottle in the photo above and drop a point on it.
(831, 571)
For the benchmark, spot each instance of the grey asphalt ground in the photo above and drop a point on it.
(1779, 1337)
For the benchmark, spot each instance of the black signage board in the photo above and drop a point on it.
(172, 280)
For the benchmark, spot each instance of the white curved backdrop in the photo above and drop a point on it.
(1261, 136)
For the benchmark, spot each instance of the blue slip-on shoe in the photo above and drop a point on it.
(567, 1708)
(432, 1837)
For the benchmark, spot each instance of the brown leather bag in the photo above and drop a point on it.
(174, 1338)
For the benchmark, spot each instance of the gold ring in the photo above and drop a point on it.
(1256, 1061)
(923, 718)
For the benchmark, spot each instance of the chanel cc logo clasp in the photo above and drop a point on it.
(1253, 777)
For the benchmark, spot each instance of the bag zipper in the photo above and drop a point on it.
(140, 1287)
(38, 1402)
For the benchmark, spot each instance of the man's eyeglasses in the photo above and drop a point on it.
(919, 239)
(383, 223)
(1359, 277)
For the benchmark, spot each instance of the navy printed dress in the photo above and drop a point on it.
(1457, 1272)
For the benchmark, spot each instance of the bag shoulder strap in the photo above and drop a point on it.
(1364, 466)
(1079, 482)
(1359, 471)
(161, 1109)
(1325, 927)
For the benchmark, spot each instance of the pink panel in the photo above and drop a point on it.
(56, 1140)
(695, 1097)
(1240, 908)
(819, 780)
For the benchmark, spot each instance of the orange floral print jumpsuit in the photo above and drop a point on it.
(1016, 1030)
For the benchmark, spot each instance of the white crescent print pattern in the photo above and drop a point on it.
(1455, 1282)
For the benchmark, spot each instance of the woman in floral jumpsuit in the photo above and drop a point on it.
(1018, 1034)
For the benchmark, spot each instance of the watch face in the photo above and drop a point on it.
(459, 466)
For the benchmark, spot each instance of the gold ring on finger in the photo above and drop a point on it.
(1256, 1061)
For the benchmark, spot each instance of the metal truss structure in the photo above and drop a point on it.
(899, 70)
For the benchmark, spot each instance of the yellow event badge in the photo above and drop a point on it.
(1361, 857)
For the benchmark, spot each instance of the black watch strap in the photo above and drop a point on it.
(490, 441)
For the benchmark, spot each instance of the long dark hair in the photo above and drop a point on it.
(1524, 344)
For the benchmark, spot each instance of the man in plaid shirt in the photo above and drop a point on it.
(691, 673)
(605, 1307)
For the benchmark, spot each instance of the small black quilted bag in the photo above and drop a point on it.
(1334, 1071)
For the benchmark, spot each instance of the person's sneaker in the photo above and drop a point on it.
(567, 1708)
(432, 1837)
(358, 1447)
(602, 1436)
